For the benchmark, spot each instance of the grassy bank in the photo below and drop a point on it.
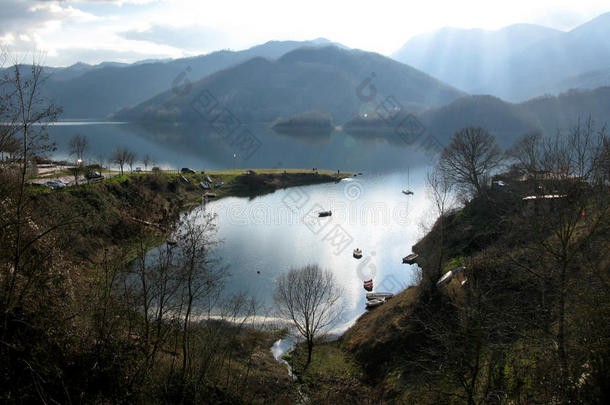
(79, 324)
(102, 213)
(509, 327)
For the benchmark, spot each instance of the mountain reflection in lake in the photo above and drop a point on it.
(199, 147)
(266, 236)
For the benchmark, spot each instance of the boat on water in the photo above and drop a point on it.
(374, 303)
(407, 191)
(325, 213)
(358, 253)
(368, 285)
(379, 295)
(410, 259)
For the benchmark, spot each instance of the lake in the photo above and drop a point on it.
(176, 146)
(268, 235)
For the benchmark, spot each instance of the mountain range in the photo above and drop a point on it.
(86, 91)
(515, 63)
(518, 79)
(506, 121)
(337, 81)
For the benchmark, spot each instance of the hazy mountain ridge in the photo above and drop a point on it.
(505, 120)
(324, 79)
(515, 63)
(94, 91)
(587, 80)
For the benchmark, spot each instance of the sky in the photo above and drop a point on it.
(93, 31)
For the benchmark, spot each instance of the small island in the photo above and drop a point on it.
(312, 125)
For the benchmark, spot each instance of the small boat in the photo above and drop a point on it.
(209, 195)
(207, 178)
(325, 213)
(184, 179)
(359, 174)
(379, 295)
(406, 190)
(447, 277)
(358, 253)
(374, 303)
(410, 259)
(219, 184)
(205, 185)
(368, 285)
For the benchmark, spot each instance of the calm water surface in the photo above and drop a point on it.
(266, 236)
(176, 146)
(276, 232)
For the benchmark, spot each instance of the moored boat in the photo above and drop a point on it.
(357, 253)
(368, 285)
(325, 213)
(410, 259)
(407, 191)
(374, 303)
(379, 295)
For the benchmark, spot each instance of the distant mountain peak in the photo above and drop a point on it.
(516, 62)
(79, 65)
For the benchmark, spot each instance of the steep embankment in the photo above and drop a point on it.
(492, 330)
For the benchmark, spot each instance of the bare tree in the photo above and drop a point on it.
(146, 161)
(121, 157)
(309, 297)
(24, 272)
(470, 157)
(586, 145)
(564, 224)
(200, 272)
(8, 143)
(527, 153)
(100, 160)
(78, 145)
(131, 157)
(440, 189)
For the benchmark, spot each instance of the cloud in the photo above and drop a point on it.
(24, 16)
(188, 38)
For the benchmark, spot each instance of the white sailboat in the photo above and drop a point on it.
(407, 191)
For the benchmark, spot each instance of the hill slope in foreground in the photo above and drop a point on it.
(489, 335)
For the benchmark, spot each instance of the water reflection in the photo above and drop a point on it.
(200, 147)
(266, 236)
